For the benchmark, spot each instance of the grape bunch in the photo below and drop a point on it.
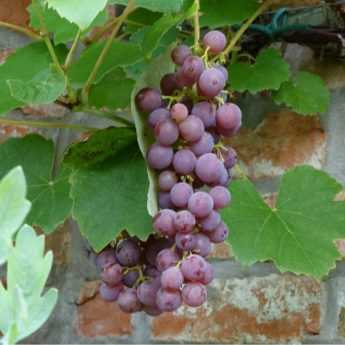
(189, 118)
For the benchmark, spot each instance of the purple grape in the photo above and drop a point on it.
(128, 301)
(112, 275)
(209, 274)
(191, 70)
(166, 180)
(179, 112)
(228, 119)
(206, 112)
(128, 253)
(200, 204)
(180, 53)
(166, 132)
(209, 223)
(105, 258)
(229, 156)
(164, 200)
(185, 242)
(184, 161)
(159, 157)
(203, 145)
(224, 71)
(221, 197)
(211, 83)
(148, 100)
(157, 116)
(151, 271)
(224, 177)
(220, 233)
(130, 278)
(147, 292)
(203, 245)
(215, 41)
(168, 300)
(152, 311)
(169, 84)
(165, 259)
(194, 294)
(209, 168)
(180, 194)
(181, 79)
(192, 129)
(110, 293)
(154, 246)
(184, 222)
(172, 279)
(163, 223)
(193, 268)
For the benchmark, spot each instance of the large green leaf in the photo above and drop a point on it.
(51, 203)
(215, 13)
(13, 208)
(154, 5)
(306, 93)
(111, 197)
(23, 66)
(268, 72)
(79, 12)
(298, 234)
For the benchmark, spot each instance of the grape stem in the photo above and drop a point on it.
(21, 30)
(71, 52)
(196, 25)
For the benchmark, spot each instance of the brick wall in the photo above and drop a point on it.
(253, 304)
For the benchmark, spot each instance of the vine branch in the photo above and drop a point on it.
(197, 26)
(71, 52)
(21, 30)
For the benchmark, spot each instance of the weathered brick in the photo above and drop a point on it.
(14, 11)
(221, 251)
(46, 110)
(271, 309)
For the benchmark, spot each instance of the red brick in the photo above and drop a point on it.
(256, 310)
(14, 11)
(221, 251)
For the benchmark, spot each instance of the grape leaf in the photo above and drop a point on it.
(51, 203)
(115, 83)
(268, 72)
(306, 93)
(111, 197)
(215, 13)
(79, 12)
(16, 68)
(151, 78)
(120, 54)
(154, 5)
(13, 208)
(298, 235)
(101, 145)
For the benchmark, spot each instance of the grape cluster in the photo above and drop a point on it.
(189, 118)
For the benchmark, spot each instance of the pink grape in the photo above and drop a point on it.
(166, 132)
(179, 112)
(165, 259)
(204, 145)
(194, 294)
(110, 293)
(168, 300)
(128, 301)
(206, 112)
(209, 223)
(169, 84)
(128, 253)
(147, 292)
(224, 177)
(105, 258)
(220, 233)
(180, 53)
(203, 245)
(228, 119)
(148, 100)
(192, 68)
(157, 116)
(166, 180)
(211, 83)
(159, 157)
(208, 168)
(184, 161)
(209, 274)
(185, 242)
(200, 204)
(215, 41)
(112, 275)
(193, 268)
(180, 194)
(184, 222)
(164, 200)
(172, 278)
(163, 223)
(221, 197)
(224, 71)
(192, 129)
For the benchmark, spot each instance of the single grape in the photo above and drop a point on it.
(163, 223)
(206, 112)
(221, 197)
(164, 200)
(112, 275)
(224, 177)
(148, 100)
(147, 292)
(224, 71)
(165, 259)
(228, 119)
(179, 112)
(220, 233)
(211, 83)
(110, 293)
(128, 253)
(168, 300)
(154, 246)
(169, 84)
(200, 204)
(192, 68)
(157, 116)
(130, 278)
(105, 258)
(180, 194)
(152, 311)
(159, 157)
(185, 242)
(203, 145)
(172, 278)
(181, 79)
(229, 156)
(184, 222)
(209, 223)
(203, 245)
(151, 271)
(184, 161)
(166, 180)
(208, 168)
(193, 268)
(166, 132)
(194, 294)
(128, 301)
(215, 41)
(209, 274)
(192, 129)
(180, 53)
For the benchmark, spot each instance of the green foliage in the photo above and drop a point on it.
(305, 93)
(49, 195)
(111, 197)
(268, 72)
(154, 5)
(299, 233)
(13, 207)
